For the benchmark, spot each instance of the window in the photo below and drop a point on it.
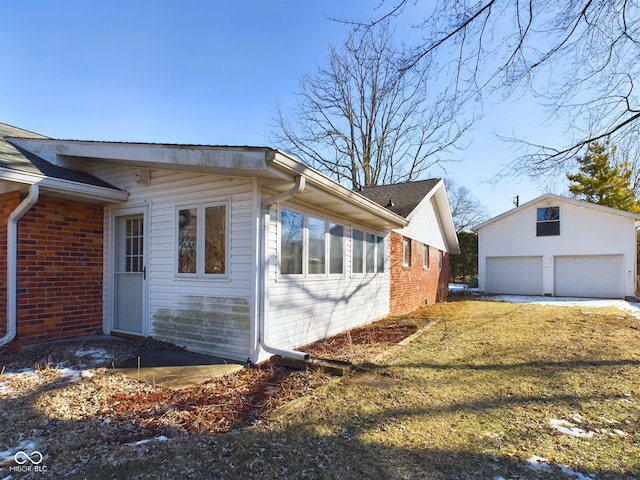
(548, 221)
(202, 240)
(425, 257)
(406, 252)
(440, 260)
(367, 252)
(357, 251)
(316, 229)
(380, 259)
(336, 248)
(371, 253)
(312, 242)
(291, 242)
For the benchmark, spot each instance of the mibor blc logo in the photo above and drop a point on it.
(28, 462)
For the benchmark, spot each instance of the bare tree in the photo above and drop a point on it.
(581, 58)
(466, 210)
(364, 120)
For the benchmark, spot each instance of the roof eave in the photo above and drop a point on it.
(68, 188)
(282, 161)
(559, 198)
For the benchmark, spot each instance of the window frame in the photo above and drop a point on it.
(200, 240)
(372, 248)
(406, 252)
(548, 227)
(426, 252)
(328, 239)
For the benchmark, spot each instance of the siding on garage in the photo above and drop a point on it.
(586, 230)
(514, 275)
(595, 276)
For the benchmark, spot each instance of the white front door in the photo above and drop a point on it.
(129, 274)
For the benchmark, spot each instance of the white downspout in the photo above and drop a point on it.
(264, 269)
(12, 261)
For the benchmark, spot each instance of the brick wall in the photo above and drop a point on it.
(59, 269)
(8, 203)
(412, 287)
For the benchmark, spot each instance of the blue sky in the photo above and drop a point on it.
(204, 72)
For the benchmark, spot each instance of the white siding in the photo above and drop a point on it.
(212, 316)
(583, 231)
(425, 226)
(305, 309)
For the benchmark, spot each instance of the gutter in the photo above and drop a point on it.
(264, 271)
(12, 261)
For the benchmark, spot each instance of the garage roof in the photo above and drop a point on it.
(557, 198)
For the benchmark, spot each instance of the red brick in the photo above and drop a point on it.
(412, 286)
(59, 269)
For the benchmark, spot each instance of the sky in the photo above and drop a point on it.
(209, 73)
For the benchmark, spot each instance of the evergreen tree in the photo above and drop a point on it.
(602, 181)
(464, 267)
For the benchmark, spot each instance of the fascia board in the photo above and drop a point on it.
(171, 156)
(321, 182)
(93, 192)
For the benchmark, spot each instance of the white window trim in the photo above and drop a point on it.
(376, 236)
(404, 262)
(426, 252)
(200, 254)
(305, 246)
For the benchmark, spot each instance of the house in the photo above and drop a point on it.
(419, 254)
(240, 252)
(558, 246)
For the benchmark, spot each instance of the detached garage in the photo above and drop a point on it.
(549, 246)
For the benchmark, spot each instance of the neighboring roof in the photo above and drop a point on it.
(404, 198)
(400, 198)
(16, 159)
(558, 198)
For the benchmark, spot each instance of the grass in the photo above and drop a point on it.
(472, 397)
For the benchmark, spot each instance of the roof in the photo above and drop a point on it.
(276, 171)
(559, 199)
(404, 198)
(13, 158)
(400, 198)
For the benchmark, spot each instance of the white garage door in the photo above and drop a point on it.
(514, 275)
(594, 276)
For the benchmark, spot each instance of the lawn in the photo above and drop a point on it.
(491, 390)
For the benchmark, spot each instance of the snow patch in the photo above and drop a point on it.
(160, 438)
(541, 464)
(633, 308)
(568, 428)
(8, 455)
(96, 354)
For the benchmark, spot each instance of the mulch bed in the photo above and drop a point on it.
(359, 345)
(129, 411)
